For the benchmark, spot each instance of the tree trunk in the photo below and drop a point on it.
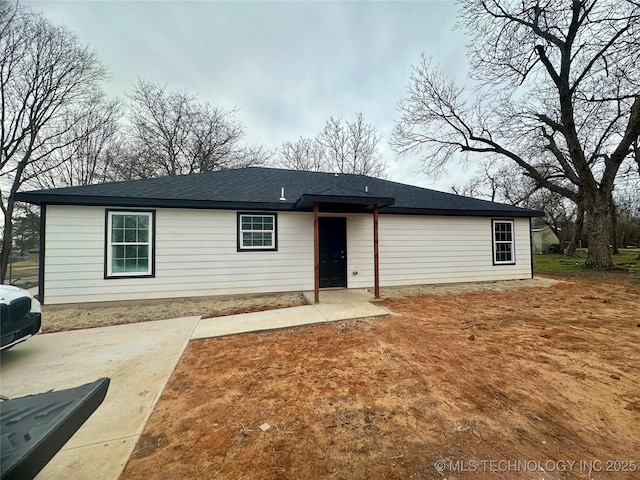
(599, 234)
(614, 228)
(571, 249)
(7, 240)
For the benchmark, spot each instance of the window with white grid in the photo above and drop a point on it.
(129, 244)
(503, 242)
(256, 231)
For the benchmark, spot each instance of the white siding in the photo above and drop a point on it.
(196, 254)
(437, 249)
(360, 251)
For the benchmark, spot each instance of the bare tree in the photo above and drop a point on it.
(334, 140)
(341, 146)
(500, 180)
(303, 154)
(173, 134)
(93, 138)
(45, 74)
(251, 156)
(558, 96)
(351, 147)
(492, 182)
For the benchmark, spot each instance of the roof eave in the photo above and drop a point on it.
(102, 201)
(520, 213)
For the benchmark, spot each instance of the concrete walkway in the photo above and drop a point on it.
(139, 358)
(334, 305)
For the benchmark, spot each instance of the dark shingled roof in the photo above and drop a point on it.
(257, 188)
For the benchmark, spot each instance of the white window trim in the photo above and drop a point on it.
(496, 242)
(110, 244)
(241, 231)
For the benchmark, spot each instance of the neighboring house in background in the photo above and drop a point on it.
(253, 230)
(542, 238)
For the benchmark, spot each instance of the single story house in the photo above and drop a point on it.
(259, 230)
(542, 238)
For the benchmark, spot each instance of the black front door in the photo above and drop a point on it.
(333, 251)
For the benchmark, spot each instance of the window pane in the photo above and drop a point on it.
(246, 239)
(257, 223)
(143, 251)
(118, 266)
(257, 239)
(130, 221)
(503, 252)
(117, 252)
(117, 235)
(130, 228)
(130, 235)
(131, 265)
(503, 232)
(143, 265)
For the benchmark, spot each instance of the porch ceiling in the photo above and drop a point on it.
(342, 203)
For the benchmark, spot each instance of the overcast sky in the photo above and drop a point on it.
(286, 66)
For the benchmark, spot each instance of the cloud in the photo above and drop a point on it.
(286, 66)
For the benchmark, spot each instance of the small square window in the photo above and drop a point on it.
(257, 231)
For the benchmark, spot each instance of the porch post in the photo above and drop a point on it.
(316, 255)
(376, 269)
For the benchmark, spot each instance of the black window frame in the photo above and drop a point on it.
(240, 247)
(107, 243)
(511, 222)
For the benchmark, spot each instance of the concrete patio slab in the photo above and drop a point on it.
(346, 308)
(139, 358)
(341, 296)
(333, 312)
(252, 322)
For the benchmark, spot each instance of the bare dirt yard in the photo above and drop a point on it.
(497, 384)
(58, 318)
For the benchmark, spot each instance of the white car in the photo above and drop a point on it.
(20, 316)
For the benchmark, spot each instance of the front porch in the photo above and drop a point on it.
(341, 296)
(330, 240)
